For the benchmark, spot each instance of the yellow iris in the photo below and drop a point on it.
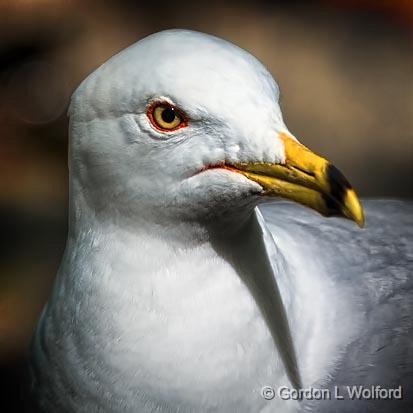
(167, 117)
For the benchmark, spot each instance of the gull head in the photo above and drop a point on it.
(183, 125)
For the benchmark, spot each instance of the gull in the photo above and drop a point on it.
(175, 292)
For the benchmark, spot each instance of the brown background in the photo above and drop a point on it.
(345, 69)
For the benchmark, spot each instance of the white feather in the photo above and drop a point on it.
(153, 308)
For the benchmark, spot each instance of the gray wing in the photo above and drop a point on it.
(376, 264)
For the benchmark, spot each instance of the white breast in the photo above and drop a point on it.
(127, 331)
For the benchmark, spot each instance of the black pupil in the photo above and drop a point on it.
(168, 115)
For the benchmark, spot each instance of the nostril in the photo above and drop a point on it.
(308, 173)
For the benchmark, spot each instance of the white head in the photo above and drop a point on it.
(221, 147)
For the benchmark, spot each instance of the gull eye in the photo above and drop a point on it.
(166, 117)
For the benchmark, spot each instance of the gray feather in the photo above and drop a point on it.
(376, 264)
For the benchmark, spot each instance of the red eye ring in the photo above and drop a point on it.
(166, 117)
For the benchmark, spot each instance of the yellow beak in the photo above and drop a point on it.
(308, 179)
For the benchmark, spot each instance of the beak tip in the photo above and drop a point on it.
(360, 223)
(354, 208)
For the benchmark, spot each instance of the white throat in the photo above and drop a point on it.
(156, 315)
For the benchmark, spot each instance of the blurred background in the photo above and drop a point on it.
(345, 68)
